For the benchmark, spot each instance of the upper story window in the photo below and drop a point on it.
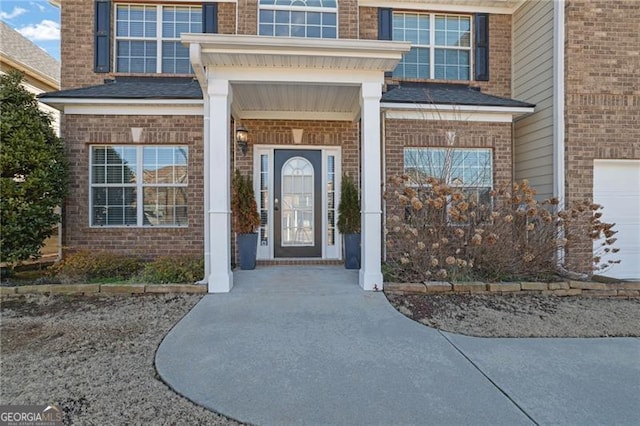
(441, 46)
(298, 18)
(148, 38)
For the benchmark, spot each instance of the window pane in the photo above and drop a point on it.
(458, 167)
(293, 19)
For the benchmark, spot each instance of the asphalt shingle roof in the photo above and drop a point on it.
(16, 47)
(445, 94)
(136, 88)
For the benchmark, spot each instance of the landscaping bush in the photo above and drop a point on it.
(435, 231)
(174, 270)
(87, 265)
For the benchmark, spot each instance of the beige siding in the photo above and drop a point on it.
(533, 82)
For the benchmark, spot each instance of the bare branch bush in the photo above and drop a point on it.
(439, 231)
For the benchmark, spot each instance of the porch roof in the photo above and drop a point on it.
(294, 78)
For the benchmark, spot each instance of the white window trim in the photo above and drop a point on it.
(139, 185)
(300, 9)
(432, 41)
(158, 37)
(328, 252)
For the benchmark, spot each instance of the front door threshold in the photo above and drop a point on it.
(299, 261)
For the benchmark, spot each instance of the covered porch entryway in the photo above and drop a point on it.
(272, 78)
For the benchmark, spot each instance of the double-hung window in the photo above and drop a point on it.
(468, 168)
(298, 18)
(148, 37)
(139, 185)
(441, 46)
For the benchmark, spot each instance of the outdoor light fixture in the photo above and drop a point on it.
(242, 139)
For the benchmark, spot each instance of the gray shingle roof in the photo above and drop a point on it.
(136, 88)
(445, 94)
(14, 46)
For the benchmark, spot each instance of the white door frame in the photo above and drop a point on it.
(266, 252)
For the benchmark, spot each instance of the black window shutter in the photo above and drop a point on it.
(482, 47)
(101, 53)
(385, 25)
(210, 18)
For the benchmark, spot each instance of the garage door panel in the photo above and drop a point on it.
(616, 186)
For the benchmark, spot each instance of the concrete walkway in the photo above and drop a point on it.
(306, 346)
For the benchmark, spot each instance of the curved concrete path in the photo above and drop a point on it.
(306, 346)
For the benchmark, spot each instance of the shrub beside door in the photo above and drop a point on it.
(349, 222)
(246, 219)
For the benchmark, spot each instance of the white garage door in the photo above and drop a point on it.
(616, 186)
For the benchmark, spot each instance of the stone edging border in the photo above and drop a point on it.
(108, 289)
(561, 288)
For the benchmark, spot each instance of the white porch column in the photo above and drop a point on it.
(370, 268)
(219, 188)
(207, 196)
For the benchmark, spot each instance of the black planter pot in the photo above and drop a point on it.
(247, 247)
(352, 251)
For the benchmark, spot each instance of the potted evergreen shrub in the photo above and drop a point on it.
(245, 219)
(349, 222)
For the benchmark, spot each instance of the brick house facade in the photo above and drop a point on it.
(352, 90)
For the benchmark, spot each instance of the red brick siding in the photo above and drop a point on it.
(348, 19)
(226, 18)
(499, 83)
(80, 131)
(369, 23)
(602, 95)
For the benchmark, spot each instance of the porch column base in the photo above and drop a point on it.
(220, 282)
(371, 281)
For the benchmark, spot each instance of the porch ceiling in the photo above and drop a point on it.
(308, 101)
(293, 78)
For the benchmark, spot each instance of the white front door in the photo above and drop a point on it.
(297, 192)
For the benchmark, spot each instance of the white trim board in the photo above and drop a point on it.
(133, 109)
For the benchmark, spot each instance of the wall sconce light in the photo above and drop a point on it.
(242, 139)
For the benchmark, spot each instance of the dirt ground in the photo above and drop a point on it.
(93, 356)
(523, 315)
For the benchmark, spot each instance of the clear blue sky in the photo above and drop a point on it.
(37, 20)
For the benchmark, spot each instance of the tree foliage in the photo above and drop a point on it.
(33, 172)
(243, 204)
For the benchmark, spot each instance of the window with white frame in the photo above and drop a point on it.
(148, 37)
(139, 185)
(441, 46)
(298, 18)
(467, 168)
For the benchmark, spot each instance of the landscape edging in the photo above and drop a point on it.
(557, 288)
(105, 289)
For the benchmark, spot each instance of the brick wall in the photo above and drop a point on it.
(400, 134)
(81, 131)
(348, 19)
(369, 23)
(76, 45)
(247, 17)
(226, 18)
(602, 95)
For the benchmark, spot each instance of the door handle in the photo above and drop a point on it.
(275, 205)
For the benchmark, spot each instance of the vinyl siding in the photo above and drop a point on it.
(533, 82)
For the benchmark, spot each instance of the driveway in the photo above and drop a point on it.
(304, 345)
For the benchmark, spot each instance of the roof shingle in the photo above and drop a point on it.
(446, 94)
(136, 88)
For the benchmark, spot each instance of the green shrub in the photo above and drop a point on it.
(88, 265)
(180, 269)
